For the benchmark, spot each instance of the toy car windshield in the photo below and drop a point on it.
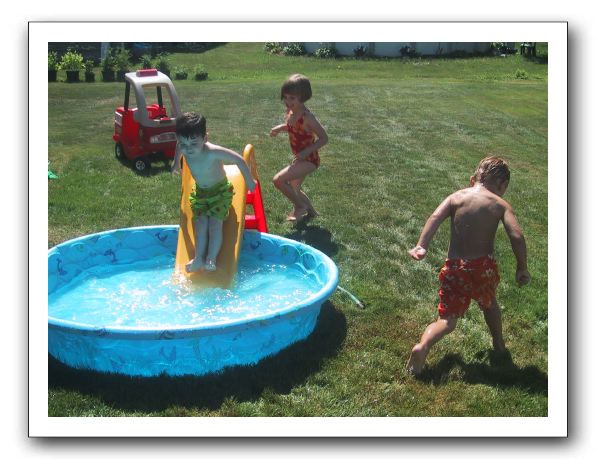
(155, 95)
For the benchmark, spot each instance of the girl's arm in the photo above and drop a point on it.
(313, 125)
(277, 129)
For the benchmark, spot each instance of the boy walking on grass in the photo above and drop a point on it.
(470, 271)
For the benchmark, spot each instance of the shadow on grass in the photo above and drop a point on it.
(279, 373)
(494, 369)
(539, 59)
(158, 165)
(315, 236)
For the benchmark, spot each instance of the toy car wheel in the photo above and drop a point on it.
(142, 164)
(119, 152)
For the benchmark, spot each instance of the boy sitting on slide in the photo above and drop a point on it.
(212, 195)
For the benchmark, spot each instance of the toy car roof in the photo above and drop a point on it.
(147, 76)
(151, 77)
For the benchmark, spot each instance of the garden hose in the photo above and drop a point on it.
(359, 303)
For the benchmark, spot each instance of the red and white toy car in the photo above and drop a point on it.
(145, 127)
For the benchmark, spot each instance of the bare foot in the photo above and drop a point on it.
(312, 213)
(194, 265)
(300, 214)
(416, 361)
(291, 216)
(210, 265)
(499, 345)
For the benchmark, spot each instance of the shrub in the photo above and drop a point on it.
(122, 60)
(521, 74)
(408, 51)
(53, 63)
(200, 72)
(180, 73)
(163, 64)
(501, 48)
(360, 51)
(294, 49)
(272, 47)
(326, 52)
(71, 60)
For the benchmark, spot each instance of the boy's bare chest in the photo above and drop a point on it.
(205, 169)
(201, 160)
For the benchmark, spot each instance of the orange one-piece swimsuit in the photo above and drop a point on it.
(300, 139)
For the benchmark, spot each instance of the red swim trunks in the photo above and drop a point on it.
(464, 280)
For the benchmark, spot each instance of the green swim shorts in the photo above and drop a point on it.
(214, 201)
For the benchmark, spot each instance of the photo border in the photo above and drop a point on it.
(553, 425)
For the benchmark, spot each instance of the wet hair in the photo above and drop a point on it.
(297, 85)
(191, 124)
(492, 169)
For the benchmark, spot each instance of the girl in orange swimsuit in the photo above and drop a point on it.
(306, 137)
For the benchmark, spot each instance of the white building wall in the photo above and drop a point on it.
(392, 49)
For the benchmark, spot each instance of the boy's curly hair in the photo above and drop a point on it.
(191, 124)
(297, 85)
(492, 169)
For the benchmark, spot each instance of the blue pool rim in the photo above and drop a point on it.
(182, 331)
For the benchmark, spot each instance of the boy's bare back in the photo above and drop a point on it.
(475, 216)
(475, 213)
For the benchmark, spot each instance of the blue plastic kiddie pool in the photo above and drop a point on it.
(114, 304)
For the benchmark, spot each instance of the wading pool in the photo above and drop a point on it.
(114, 304)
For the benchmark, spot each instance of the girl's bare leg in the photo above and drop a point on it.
(282, 181)
(433, 333)
(198, 262)
(297, 184)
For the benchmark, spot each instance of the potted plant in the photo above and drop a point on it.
(123, 63)
(89, 73)
(146, 61)
(72, 63)
(108, 65)
(53, 65)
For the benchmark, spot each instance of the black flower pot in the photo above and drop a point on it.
(108, 75)
(52, 74)
(72, 76)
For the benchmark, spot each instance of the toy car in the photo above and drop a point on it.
(148, 130)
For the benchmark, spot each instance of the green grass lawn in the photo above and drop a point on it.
(402, 135)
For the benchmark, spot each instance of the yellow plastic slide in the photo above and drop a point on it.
(233, 227)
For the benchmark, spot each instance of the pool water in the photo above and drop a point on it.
(145, 294)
